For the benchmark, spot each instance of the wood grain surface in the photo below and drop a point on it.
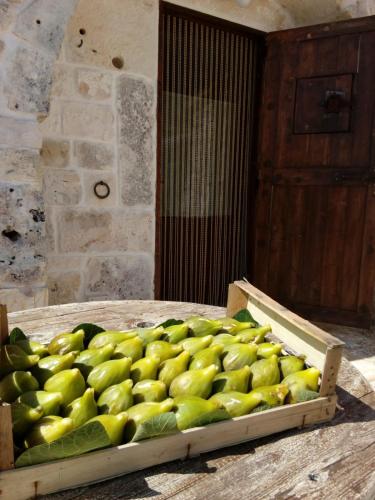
(329, 461)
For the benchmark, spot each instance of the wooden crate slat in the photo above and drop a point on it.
(4, 330)
(26, 482)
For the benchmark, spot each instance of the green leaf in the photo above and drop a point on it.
(210, 418)
(89, 437)
(262, 407)
(244, 316)
(161, 425)
(15, 335)
(303, 395)
(90, 331)
(171, 322)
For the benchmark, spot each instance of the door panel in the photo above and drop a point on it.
(315, 248)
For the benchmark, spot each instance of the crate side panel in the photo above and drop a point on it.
(98, 466)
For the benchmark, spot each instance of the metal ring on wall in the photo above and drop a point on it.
(107, 190)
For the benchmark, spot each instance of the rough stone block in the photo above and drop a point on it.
(26, 269)
(57, 263)
(89, 181)
(61, 187)
(55, 153)
(19, 133)
(6, 15)
(64, 288)
(52, 123)
(135, 104)
(82, 230)
(51, 231)
(94, 84)
(125, 277)
(114, 29)
(43, 23)
(19, 299)
(63, 84)
(18, 164)
(22, 220)
(133, 231)
(93, 155)
(93, 121)
(28, 79)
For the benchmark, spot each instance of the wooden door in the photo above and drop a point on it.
(315, 248)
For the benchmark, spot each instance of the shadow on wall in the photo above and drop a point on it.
(307, 12)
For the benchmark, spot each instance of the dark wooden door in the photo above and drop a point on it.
(315, 249)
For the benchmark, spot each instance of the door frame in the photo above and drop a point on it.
(166, 7)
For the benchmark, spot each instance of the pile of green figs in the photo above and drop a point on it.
(124, 378)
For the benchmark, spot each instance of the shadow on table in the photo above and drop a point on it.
(353, 409)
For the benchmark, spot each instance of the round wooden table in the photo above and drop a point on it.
(332, 461)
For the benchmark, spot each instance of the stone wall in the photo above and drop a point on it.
(84, 113)
(101, 128)
(31, 34)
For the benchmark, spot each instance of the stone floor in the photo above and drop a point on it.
(360, 347)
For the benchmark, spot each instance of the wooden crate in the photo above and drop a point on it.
(300, 336)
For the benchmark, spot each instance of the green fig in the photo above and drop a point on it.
(232, 326)
(170, 368)
(291, 364)
(15, 384)
(150, 334)
(265, 372)
(145, 368)
(32, 347)
(201, 327)
(303, 385)
(138, 414)
(193, 345)
(235, 380)
(163, 350)
(49, 366)
(206, 357)
(110, 337)
(113, 425)
(48, 429)
(67, 342)
(109, 373)
(225, 339)
(175, 333)
(239, 355)
(131, 348)
(23, 417)
(146, 391)
(117, 398)
(272, 395)
(194, 383)
(49, 401)
(88, 359)
(190, 409)
(13, 358)
(267, 349)
(254, 335)
(236, 403)
(81, 409)
(69, 383)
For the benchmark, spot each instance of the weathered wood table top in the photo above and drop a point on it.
(330, 461)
